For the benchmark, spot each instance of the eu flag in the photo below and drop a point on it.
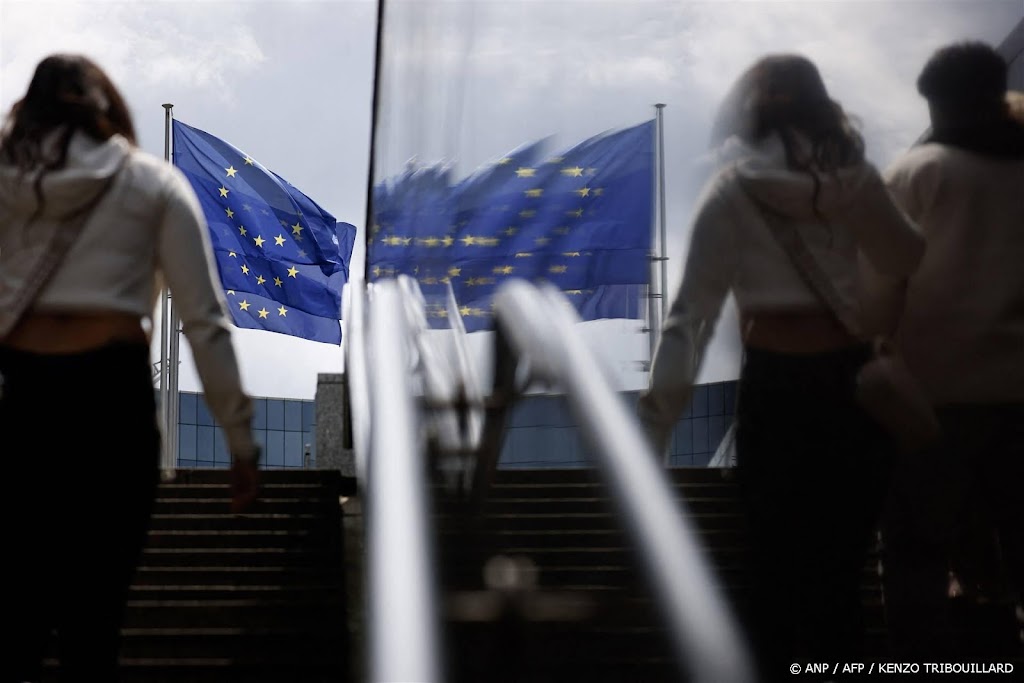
(580, 219)
(282, 258)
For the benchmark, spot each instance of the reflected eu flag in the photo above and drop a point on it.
(282, 258)
(580, 219)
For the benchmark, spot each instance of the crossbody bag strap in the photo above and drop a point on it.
(811, 271)
(66, 234)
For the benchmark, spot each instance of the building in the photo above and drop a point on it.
(541, 431)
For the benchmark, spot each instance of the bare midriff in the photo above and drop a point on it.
(48, 332)
(795, 332)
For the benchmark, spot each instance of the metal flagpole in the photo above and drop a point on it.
(662, 246)
(168, 348)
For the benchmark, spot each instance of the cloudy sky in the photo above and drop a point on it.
(290, 83)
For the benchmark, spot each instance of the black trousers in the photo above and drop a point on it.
(81, 449)
(812, 469)
(959, 506)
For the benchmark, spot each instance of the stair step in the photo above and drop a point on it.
(220, 505)
(322, 611)
(223, 557)
(251, 522)
(233, 575)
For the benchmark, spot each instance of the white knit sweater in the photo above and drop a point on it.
(149, 225)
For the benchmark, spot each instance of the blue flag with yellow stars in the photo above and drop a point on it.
(282, 258)
(580, 219)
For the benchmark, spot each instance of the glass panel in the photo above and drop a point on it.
(309, 443)
(259, 413)
(729, 389)
(186, 464)
(683, 438)
(187, 442)
(308, 414)
(204, 443)
(220, 447)
(699, 404)
(275, 413)
(700, 436)
(293, 449)
(186, 409)
(293, 416)
(275, 448)
(203, 414)
(716, 399)
(260, 437)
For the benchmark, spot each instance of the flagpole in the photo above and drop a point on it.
(168, 347)
(374, 105)
(662, 247)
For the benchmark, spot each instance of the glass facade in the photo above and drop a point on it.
(285, 429)
(541, 431)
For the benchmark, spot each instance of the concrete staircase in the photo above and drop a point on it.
(568, 602)
(252, 597)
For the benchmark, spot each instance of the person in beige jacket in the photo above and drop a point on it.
(77, 408)
(962, 332)
(811, 462)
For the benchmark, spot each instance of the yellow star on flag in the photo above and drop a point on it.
(259, 241)
(245, 269)
(232, 254)
(260, 279)
(293, 272)
(223, 191)
(534, 193)
(297, 228)
(282, 311)
(229, 212)
(244, 305)
(263, 312)
(241, 230)
(279, 240)
(278, 281)
(248, 161)
(523, 172)
(231, 171)
(572, 171)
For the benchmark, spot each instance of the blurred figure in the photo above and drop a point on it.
(811, 463)
(74, 361)
(962, 333)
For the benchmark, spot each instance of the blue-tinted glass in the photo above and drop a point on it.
(699, 403)
(275, 413)
(275, 448)
(562, 448)
(717, 424)
(208, 464)
(729, 389)
(681, 461)
(220, 447)
(203, 414)
(308, 414)
(309, 443)
(716, 395)
(259, 413)
(293, 416)
(260, 437)
(293, 449)
(700, 435)
(186, 464)
(186, 409)
(683, 438)
(204, 443)
(187, 442)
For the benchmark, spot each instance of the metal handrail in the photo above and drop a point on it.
(403, 624)
(357, 383)
(537, 323)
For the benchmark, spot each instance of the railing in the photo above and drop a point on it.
(536, 325)
(401, 592)
(404, 391)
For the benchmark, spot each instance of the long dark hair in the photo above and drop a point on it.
(68, 93)
(784, 94)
